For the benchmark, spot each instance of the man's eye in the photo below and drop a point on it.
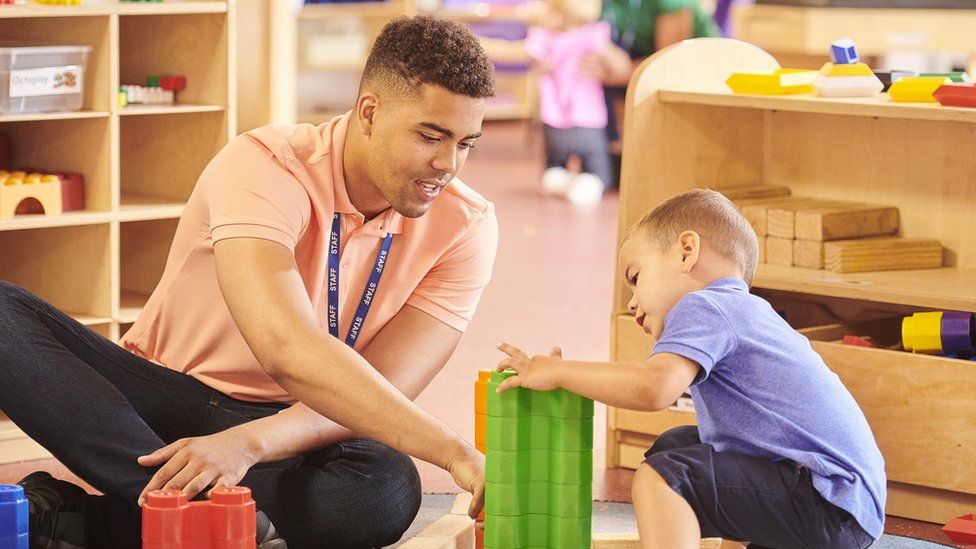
(429, 139)
(468, 146)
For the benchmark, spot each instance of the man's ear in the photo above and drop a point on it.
(366, 111)
(690, 244)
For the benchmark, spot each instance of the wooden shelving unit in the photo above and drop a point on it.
(140, 163)
(685, 129)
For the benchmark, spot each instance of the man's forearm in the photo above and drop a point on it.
(292, 432)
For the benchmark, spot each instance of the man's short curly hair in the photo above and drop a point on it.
(411, 51)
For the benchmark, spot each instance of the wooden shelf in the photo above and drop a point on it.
(879, 107)
(70, 115)
(67, 219)
(131, 305)
(89, 320)
(141, 110)
(350, 9)
(136, 207)
(948, 288)
(148, 8)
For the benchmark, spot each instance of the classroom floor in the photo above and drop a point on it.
(552, 285)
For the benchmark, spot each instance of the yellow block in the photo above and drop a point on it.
(856, 69)
(916, 89)
(779, 82)
(922, 332)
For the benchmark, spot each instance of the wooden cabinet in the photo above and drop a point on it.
(684, 129)
(139, 163)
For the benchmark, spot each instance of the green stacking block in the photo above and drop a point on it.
(506, 532)
(564, 404)
(523, 498)
(569, 435)
(570, 500)
(569, 533)
(530, 465)
(539, 403)
(570, 467)
(508, 433)
(512, 403)
(538, 530)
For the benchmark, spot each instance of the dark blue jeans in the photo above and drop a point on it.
(745, 498)
(97, 407)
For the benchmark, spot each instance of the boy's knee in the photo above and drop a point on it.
(674, 438)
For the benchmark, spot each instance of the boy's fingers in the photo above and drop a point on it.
(512, 351)
(514, 381)
(509, 363)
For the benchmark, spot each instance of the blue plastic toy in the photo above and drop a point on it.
(843, 52)
(14, 517)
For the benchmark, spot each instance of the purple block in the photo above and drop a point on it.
(957, 332)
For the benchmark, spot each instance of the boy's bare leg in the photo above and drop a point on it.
(664, 519)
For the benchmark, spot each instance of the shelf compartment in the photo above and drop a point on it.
(180, 108)
(162, 156)
(144, 246)
(137, 207)
(87, 31)
(172, 44)
(69, 267)
(29, 11)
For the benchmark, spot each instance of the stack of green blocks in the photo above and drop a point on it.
(538, 469)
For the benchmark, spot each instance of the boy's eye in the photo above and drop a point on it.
(633, 279)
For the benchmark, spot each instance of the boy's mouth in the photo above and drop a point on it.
(640, 320)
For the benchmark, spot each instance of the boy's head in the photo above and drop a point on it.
(420, 108)
(682, 246)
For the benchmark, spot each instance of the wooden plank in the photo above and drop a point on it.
(779, 251)
(652, 423)
(461, 504)
(754, 192)
(930, 504)
(842, 222)
(808, 254)
(882, 254)
(631, 540)
(755, 211)
(781, 220)
(920, 408)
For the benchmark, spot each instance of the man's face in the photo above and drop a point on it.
(419, 144)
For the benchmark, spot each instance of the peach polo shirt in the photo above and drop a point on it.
(284, 184)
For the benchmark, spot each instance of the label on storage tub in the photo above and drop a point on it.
(45, 81)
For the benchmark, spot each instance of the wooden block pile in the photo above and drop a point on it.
(836, 235)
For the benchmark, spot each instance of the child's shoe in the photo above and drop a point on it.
(585, 189)
(555, 181)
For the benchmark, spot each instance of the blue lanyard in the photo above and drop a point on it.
(368, 293)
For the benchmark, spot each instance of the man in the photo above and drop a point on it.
(319, 278)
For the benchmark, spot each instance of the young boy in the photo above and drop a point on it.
(782, 456)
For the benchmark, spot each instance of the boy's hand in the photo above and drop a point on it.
(533, 373)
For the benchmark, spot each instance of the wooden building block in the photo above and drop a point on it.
(630, 540)
(781, 219)
(762, 248)
(882, 254)
(454, 530)
(754, 192)
(808, 254)
(756, 211)
(848, 221)
(779, 251)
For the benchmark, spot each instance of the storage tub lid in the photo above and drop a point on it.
(21, 50)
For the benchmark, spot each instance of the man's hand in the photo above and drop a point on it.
(194, 464)
(469, 473)
(533, 373)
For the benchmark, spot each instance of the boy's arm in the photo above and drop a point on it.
(646, 386)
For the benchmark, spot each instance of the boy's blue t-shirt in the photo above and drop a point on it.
(763, 391)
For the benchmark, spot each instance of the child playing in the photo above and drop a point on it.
(573, 108)
(782, 456)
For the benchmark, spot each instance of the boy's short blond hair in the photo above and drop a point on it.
(717, 221)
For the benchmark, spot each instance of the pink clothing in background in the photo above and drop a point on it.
(567, 98)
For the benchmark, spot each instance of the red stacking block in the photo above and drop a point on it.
(172, 83)
(226, 521)
(856, 341)
(961, 529)
(956, 95)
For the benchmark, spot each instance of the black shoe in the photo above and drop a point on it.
(267, 537)
(57, 512)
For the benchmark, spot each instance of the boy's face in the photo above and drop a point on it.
(419, 144)
(656, 279)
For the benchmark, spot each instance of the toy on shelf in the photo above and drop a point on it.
(961, 529)
(538, 469)
(15, 187)
(60, 2)
(843, 52)
(227, 520)
(14, 517)
(889, 77)
(958, 77)
(939, 332)
(918, 89)
(159, 90)
(856, 341)
(956, 95)
(778, 82)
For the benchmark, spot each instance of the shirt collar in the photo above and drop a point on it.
(730, 282)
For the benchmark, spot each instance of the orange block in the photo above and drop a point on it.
(480, 428)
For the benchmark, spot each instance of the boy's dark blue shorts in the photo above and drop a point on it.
(745, 498)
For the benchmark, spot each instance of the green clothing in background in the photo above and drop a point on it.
(634, 21)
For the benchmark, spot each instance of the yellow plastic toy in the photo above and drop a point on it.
(916, 89)
(15, 187)
(779, 82)
(854, 80)
(854, 69)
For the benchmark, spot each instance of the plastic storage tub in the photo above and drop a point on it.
(42, 78)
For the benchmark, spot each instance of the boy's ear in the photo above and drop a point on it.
(690, 244)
